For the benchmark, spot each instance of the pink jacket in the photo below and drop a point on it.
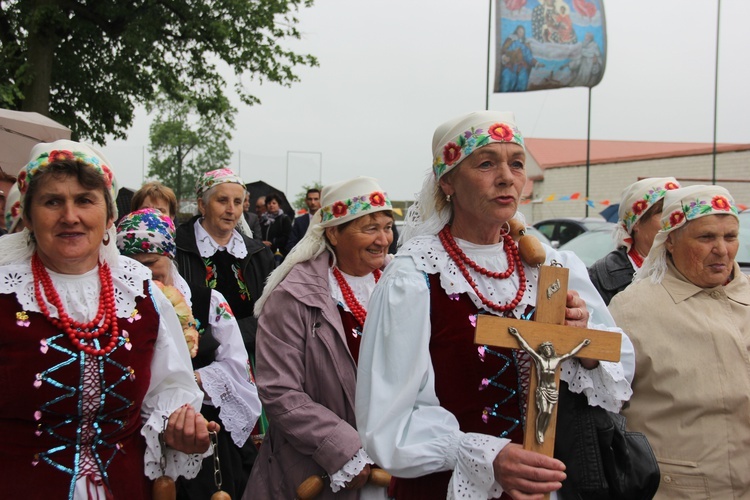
(306, 379)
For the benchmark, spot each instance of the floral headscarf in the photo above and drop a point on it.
(680, 207)
(636, 200)
(452, 142)
(458, 138)
(351, 200)
(214, 178)
(146, 231)
(45, 153)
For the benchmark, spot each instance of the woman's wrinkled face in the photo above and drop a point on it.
(223, 210)
(703, 250)
(68, 222)
(486, 187)
(160, 265)
(361, 247)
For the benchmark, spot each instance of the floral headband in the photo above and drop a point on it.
(352, 199)
(455, 140)
(641, 196)
(146, 231)
(694, 202)
(356, 206)
(214, 178)
(42, 155)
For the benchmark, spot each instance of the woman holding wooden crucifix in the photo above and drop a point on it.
(442, 414)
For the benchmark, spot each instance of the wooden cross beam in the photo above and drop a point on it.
(547, 327)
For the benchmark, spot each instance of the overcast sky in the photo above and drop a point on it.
(392, 70)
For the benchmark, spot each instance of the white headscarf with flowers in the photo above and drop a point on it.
(19, 247)
(680, 207)
(452, 142)
(635, 201)
(341, 202)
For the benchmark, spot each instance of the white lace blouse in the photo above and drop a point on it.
(399, 418)
(227, 381)
(172, 383)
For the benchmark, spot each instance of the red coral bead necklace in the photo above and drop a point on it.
(78, 332)
(462, 260)
(352, 303)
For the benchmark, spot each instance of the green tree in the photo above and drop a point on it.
(184, 143)
(299, 200)
(87, 64)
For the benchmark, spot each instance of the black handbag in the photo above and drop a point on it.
(603, 459)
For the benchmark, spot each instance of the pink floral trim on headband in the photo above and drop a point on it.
(44, 159)
(355, 205)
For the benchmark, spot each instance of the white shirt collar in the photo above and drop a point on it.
(207, 246)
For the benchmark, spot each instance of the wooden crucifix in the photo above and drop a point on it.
(548, 342)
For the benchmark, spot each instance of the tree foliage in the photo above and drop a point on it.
(299, 200)
(185, 143)
(87, 64)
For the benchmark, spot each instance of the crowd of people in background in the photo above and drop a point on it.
(271, 356)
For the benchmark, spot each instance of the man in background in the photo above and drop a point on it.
(301, 223)
(253, 220)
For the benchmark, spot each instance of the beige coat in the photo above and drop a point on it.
(691, 392)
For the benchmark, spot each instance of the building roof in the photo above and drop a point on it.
(553, 153)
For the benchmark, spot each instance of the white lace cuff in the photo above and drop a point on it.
(473, 476)
(239, 407)
(350, 470)
(178, 463)
(604, 386)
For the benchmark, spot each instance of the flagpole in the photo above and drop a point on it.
(716, 92)
(588, 151)
(489, 45)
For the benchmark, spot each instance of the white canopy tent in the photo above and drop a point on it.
(20, 131)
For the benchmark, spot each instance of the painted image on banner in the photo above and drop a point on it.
(548, 44)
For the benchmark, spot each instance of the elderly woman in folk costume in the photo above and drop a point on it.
(639, 221)
(309, 329)
(220, 360)
(688, 313)
(95, 366)
(433, 408)
(212, 253)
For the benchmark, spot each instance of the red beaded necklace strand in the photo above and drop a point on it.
(352, 303)
(78, 331)
(514, 262)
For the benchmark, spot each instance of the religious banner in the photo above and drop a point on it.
(549, 44)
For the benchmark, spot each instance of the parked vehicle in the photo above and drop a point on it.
(561, 231)
(532, 231)
(592, 245)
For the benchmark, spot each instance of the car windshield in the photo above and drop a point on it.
(743, 254)
(532, 231)
(591, 245)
